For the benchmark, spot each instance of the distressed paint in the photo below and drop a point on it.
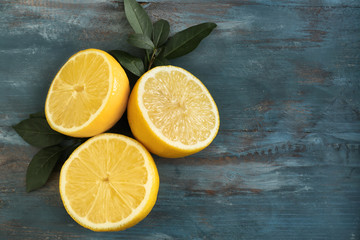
(285, 76)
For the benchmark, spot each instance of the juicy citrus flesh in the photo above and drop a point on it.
(178, 116)
(79, 87)
(109, 183)
(88, 95)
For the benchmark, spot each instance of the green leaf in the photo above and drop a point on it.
(134, 64)
(40, 114)
(37, 132)
(41, 166)
(161, 62)
(187, 40)
(137, 17)
(141, 41)
(161, 30)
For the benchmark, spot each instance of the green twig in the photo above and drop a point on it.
(152, 59)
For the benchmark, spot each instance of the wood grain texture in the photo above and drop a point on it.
(285, 75)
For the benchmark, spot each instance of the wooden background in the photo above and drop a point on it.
(286, 77)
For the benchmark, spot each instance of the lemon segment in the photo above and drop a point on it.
(172, 113)
(109, 183)
(88, 95)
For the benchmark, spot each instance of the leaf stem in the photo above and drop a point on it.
(152, 59)
(146, 58)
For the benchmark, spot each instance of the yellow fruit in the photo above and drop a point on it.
(109, 183)
(88, 95)
(172, 113)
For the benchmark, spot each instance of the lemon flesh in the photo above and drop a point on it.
(109, 183)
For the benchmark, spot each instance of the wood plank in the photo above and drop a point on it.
(285, 76)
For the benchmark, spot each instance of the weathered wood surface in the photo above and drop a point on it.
(286, 78)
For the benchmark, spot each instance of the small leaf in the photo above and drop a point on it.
(161, 32)
(187, 40)
(161, 62)
(137, 17)
(141, 41)
(37, 132)
(131, 63)
(41, 166)
(40, 114)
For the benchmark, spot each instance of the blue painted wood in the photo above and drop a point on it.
(285, 76)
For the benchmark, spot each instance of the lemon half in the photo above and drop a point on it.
(172, 113)
(88, 95)
(109, 183)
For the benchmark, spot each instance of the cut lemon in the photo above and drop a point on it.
(88, 95)
(172, 113)
(109, 183)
